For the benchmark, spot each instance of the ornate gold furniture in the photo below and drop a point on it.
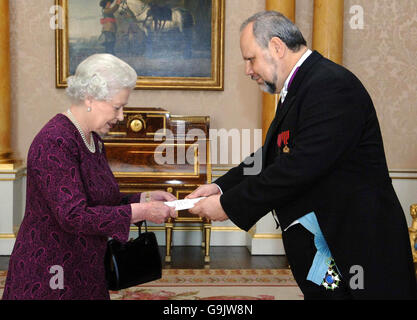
(413, 231)
(152, 149)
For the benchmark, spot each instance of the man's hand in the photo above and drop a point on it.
(210, 208)
(205, 190)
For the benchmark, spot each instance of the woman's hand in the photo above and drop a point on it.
(157, 195)
(154, 211)
(152, 207)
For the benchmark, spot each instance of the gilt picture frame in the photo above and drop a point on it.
(172, 44)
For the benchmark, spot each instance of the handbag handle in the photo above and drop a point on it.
(113, 258)
(139, 225)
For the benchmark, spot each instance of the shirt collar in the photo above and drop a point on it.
(284, 89)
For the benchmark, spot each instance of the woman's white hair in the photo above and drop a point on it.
(100, 77)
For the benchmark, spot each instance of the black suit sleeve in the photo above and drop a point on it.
(239, 173)
(330, 122)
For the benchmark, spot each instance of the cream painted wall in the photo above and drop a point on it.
(382, 55)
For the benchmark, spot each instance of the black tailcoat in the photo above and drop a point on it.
(324, 153)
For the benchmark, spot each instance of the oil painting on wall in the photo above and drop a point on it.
(172, 44)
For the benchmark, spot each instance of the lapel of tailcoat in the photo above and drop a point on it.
(282, 109)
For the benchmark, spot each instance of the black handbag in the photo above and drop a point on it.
(134, 262)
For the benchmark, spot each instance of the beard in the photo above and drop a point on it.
(269, 87)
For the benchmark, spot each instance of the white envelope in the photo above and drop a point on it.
(183, 204)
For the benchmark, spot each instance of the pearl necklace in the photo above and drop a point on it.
(90, 146)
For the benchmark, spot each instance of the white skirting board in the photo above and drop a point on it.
(12, 204)
(405, 185)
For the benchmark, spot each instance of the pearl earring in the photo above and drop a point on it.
(88, 109)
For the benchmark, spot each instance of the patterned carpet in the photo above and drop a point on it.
(211, 284)
(216, 284)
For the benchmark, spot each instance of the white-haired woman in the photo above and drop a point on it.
(73, 200)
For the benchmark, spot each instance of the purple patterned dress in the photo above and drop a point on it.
(73, 205)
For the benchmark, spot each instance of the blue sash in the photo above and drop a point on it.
(321, 259)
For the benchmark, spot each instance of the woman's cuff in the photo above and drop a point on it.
(135, 198)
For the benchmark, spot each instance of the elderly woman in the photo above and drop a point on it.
(73, 200)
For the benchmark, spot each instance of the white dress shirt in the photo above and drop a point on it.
(284, 89)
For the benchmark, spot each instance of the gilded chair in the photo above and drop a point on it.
(413, 232)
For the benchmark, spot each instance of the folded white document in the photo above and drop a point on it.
(183, 204)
